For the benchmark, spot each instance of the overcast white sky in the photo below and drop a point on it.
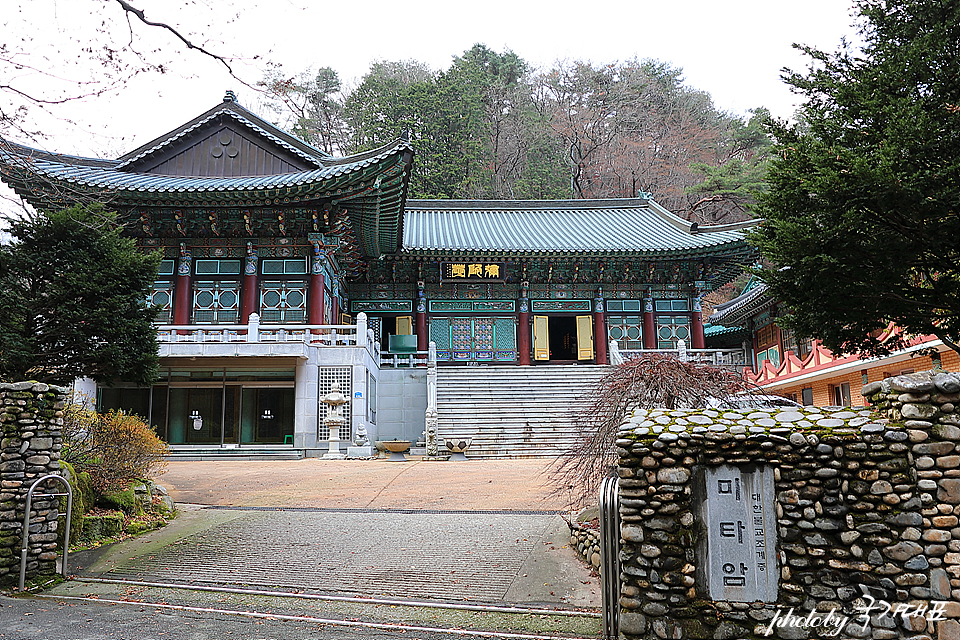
(734, 50)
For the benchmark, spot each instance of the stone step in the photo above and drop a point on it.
(196, 454)
(516, 412)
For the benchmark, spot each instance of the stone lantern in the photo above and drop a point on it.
(334, 420)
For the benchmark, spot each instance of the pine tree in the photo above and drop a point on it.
(73, 299)
(861, 217)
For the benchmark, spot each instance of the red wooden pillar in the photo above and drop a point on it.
(599, 330)
(649, 324)
(249, 294)
(697, 340)
(420, 318)
(183, 303)
(315, 294)
(523, 330)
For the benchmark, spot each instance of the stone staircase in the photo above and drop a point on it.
(248, 452)
(513, 412)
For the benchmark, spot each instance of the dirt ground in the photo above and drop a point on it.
(519, 484)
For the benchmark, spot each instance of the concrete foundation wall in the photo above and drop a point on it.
(401, 403)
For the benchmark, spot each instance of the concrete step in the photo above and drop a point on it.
(195, 454)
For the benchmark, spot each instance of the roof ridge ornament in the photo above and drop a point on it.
(230, 96)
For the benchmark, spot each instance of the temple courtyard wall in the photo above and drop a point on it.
(796, 523)
(31, 418)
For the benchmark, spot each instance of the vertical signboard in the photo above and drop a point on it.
(738, 512)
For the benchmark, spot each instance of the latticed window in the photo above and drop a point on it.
(670, 329)
(162, 297)
(626, 330)
(672, 305)
(766, 336)
(274, 267)
(216, 302)
(217, 267)
(800, 348)
(283, 302)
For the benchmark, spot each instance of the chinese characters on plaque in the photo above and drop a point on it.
(473, 271)
(738, 511)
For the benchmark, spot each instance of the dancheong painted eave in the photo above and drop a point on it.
(636, 227)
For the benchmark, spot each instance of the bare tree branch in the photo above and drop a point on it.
(130, 9)
(647, 382)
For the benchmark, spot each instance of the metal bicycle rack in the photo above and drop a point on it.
(26, 523)
(610, 556)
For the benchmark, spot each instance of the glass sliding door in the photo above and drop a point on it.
(271, 415)
(213, 407)
(196, 415)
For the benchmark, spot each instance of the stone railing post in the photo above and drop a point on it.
(431, 416)
(615, 356)
(361, 329)
(31, 420)
(253, 328)
(682, 351)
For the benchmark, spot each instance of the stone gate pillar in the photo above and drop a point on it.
(31, 419)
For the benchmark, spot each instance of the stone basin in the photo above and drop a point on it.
(396, 449)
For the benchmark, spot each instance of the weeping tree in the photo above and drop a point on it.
(647, 382)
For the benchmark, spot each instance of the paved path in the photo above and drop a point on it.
(484, 531)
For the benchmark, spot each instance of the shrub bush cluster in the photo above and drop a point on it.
(114, 448)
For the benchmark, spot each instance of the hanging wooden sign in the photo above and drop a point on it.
(473, 271)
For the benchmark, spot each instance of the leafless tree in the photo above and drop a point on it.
(647, 382)
(76, 65)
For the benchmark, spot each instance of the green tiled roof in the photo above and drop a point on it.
(636, 227)
(27, 170)
(371, 186)
(738, 311)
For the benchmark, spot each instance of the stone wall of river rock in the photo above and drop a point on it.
(866, 509)
(31, 419)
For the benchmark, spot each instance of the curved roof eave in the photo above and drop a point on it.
(102, 176)
(635, 227)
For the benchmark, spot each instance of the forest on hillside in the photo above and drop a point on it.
(491, 126)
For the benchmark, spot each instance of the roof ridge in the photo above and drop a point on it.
(526, 205)
(9, 147)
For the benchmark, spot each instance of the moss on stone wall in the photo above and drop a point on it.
(866, 503)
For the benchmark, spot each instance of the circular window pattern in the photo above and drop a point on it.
(161, 298)
(664, 333)
(204, 299)
(633, 333)
(294, 298)
(616, 333)
(228, 299)
(683, 333)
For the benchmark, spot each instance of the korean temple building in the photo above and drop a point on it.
(286, 269)
(805, 370)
